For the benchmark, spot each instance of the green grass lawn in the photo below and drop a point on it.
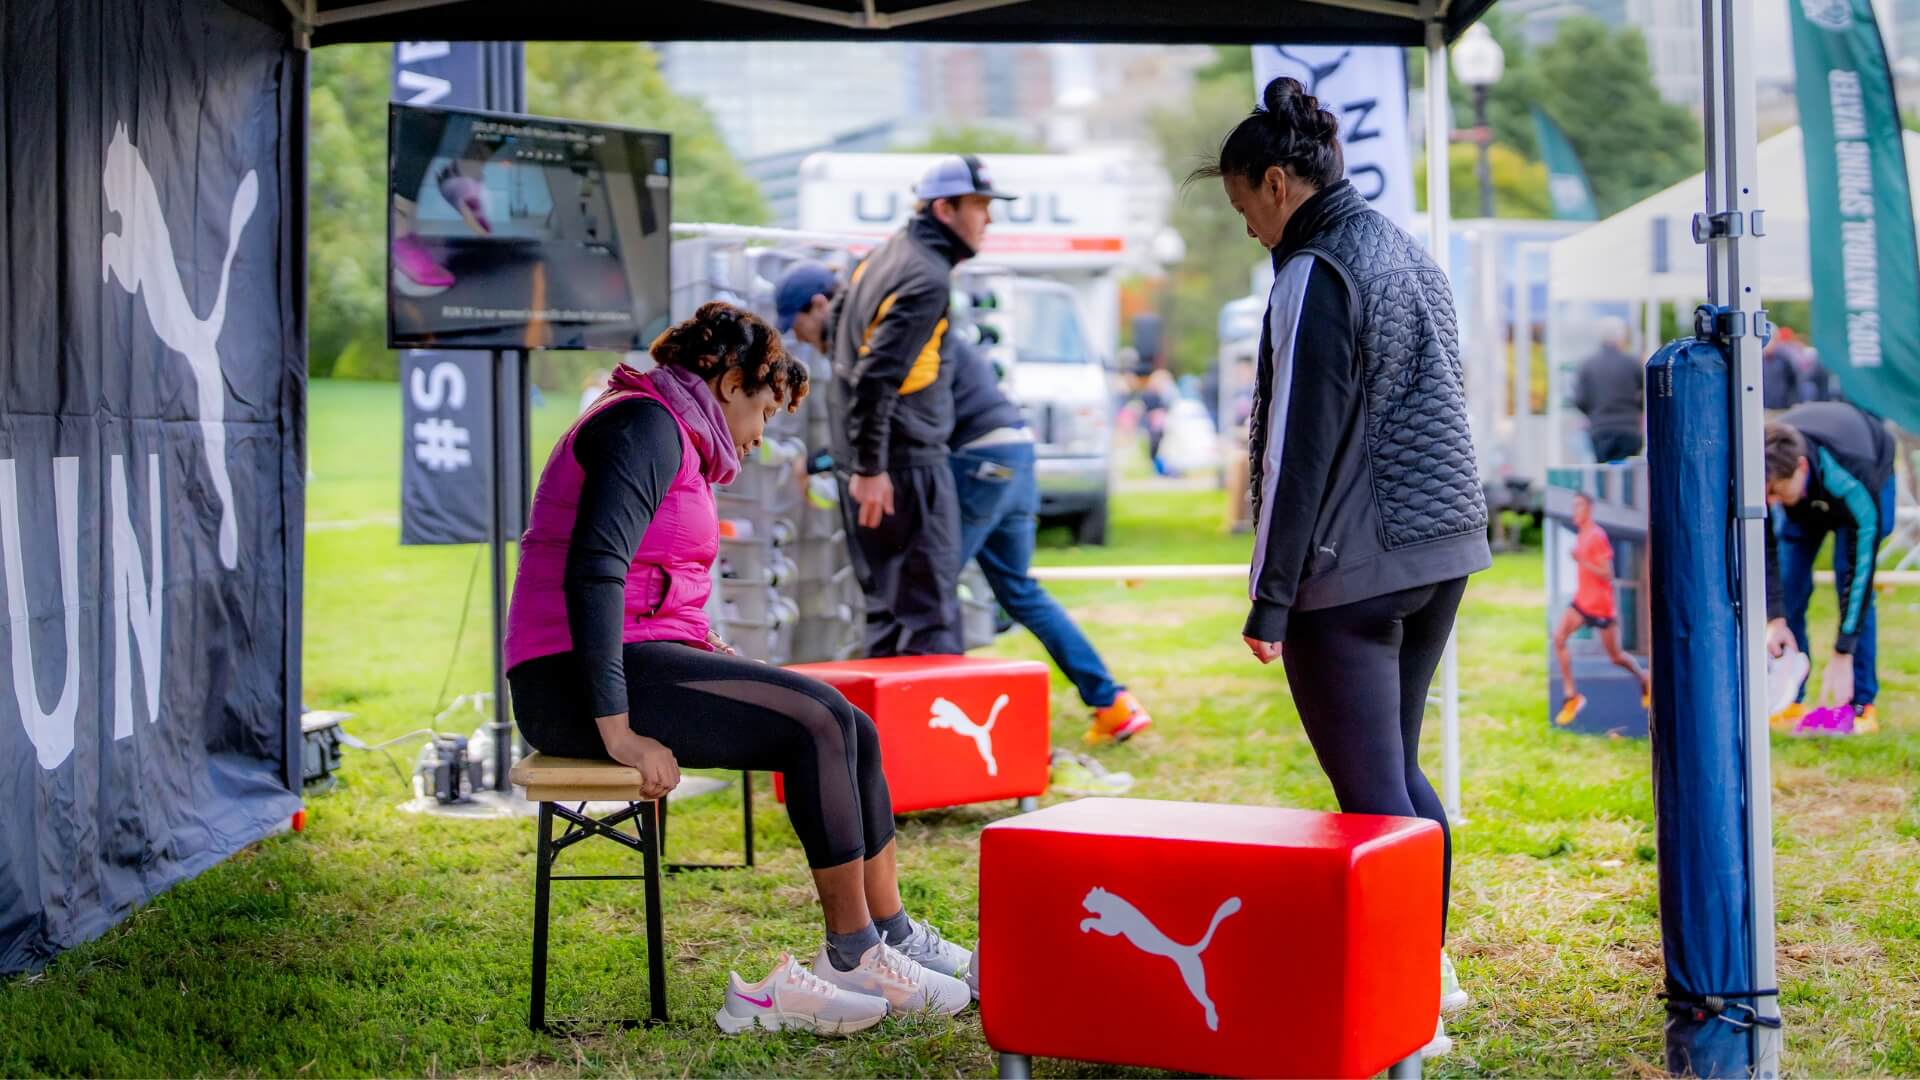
(383, 943)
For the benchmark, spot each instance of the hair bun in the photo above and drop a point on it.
(1287, 101)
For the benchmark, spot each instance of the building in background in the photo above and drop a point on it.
(1671, 29)
(1007, 88)
(1539, 20)
(773, 96)
(1900, 25)
(778, 174)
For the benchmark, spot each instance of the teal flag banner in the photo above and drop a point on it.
(1567, 182)
(1866, 283)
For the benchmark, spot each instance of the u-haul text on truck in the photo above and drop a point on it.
(1084, 220)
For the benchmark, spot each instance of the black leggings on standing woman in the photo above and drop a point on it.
(1360, 675)
(726, 712)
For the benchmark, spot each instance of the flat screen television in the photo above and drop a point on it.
(520, 232)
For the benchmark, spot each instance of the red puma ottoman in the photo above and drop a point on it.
(954, 730)
(1231, 940)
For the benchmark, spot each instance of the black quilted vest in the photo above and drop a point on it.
(1418, 445)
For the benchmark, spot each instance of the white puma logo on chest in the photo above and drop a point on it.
(1115, 917)
(141, 256)
(950, 717)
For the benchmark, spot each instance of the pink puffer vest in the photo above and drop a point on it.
(670, 577)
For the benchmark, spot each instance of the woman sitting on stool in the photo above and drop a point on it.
(610, 655)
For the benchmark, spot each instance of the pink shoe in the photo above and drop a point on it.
(414, 271)
(1826, 722)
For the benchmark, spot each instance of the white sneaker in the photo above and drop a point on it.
(1452, 997)
(904, 983)
(927, 948)
(1440, 1045)
(791, 997)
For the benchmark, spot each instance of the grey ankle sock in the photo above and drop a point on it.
(895, 929)
(845, 950)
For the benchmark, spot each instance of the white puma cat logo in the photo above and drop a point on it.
(952, 718)
(1115, 917)
(141, 256)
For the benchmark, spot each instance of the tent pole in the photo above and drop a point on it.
(502, 727)
(1732, 282)
(294, 475)
(1439, 211)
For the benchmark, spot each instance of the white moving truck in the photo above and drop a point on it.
(1055, 256)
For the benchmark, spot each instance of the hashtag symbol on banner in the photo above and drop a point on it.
(441, 445)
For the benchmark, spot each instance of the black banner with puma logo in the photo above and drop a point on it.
(152, 387)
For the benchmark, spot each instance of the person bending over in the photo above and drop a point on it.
(1829, 470)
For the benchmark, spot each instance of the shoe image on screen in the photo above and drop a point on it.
(512, 232)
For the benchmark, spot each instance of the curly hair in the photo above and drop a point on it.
(720, 338)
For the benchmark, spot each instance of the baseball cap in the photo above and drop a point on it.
(954, 176)
(798, 286)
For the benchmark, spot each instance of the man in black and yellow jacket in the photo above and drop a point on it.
(893, 412)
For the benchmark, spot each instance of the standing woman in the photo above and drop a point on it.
(610, 656)
(1368, 509)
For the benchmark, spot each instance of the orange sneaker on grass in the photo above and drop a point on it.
(1788, 718)
(1866, 720)
(1119, 721)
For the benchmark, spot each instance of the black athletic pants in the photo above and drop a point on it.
(726, 712)
(1360, 675)
(909, 567)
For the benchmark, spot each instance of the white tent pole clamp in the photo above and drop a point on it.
(1439, 233)
(1729, 227)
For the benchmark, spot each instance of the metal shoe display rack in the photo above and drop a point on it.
(785, 590)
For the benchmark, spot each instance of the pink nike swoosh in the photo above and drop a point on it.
(764, 1003)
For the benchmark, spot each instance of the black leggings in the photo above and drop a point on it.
(726, 712)
(1360, 675)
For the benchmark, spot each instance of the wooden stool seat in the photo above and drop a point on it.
(574, 780)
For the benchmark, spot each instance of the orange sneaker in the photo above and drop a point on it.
(1866, 720)
(1119, 721)
(1569, 710)
(1788, 718)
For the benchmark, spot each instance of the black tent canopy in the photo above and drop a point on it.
(1207, 22)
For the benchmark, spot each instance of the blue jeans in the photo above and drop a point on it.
(1798, 549)
(999, 504)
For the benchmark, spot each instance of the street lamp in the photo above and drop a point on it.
(1478, 62)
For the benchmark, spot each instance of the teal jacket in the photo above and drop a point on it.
(1850, 454)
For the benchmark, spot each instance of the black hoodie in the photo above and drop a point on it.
(891, 392)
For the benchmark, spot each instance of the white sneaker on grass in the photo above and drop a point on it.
(927, 948)
(1440, 1045)
(907, 985)
(1452, 997)
(793, 998)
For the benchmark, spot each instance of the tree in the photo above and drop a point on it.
(347, 273)
(1519, 184)
(1220, 259)
(1597, 85)
(347, 195)
(973, 140)
(619, 82)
